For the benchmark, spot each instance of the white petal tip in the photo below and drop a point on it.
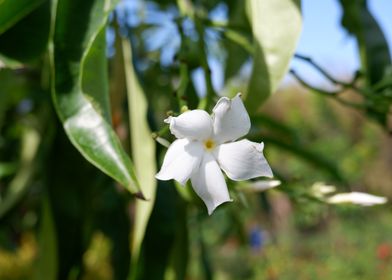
(168, 120)
(212, 208)
(222, 104)
(260, 147)
(269, 174)
(182, 183)
(267, 171)
(160, 177)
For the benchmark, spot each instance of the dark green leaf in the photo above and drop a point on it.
(46, 265)
(160, 234)
(236, 54)
(373, 52)
(283, 130)
(180, 252)
(373, 47)
(11, 11)
(308, 155)
(80, 90)
(28, 38)
(73, 202)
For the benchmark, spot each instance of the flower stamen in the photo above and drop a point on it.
(209, 144)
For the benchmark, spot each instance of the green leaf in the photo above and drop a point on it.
(46, 266)
(27, 39)
(373, 51)
(373, 47)
(161, 232)
(76, 189)
(7, 168)
(143, 150)
(236, 53)
(12, 11)
(80, 88)
(307, 155)
(279, 128)
(177, 268)
(18, 186)
(276, 26)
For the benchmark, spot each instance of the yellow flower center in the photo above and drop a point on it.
(209, 144)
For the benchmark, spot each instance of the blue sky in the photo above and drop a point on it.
(327, 42)
(323, 39)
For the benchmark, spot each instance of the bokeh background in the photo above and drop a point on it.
(50, 197)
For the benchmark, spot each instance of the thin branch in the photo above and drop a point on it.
(332, 94)
(344, 85)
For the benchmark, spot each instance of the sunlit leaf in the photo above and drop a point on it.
(143, 150)
(276, 26)
(80, 90)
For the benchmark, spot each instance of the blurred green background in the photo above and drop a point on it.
(72, 74)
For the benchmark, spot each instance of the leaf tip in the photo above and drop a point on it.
(140, 196)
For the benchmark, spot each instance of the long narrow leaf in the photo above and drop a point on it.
(46, 265)
(276, 26)
(143, 150)
(372, 44)
(80, 88)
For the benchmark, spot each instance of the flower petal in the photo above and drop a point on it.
(194, 125)
(358, 198)
(209, 183)
(243, 160)
(231, 120)
(181, 160)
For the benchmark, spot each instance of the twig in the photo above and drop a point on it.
(345, 85)
(332, 94)
(157, 136)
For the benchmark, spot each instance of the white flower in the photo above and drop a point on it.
(205, 145)
(359, 198)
